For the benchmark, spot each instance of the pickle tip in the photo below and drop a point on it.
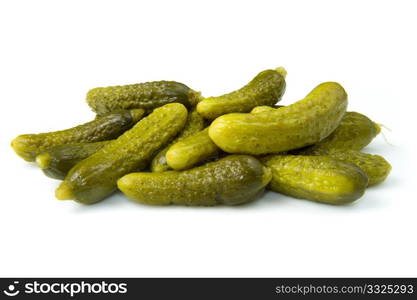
(64, 192)
(19, 146)
(281, 71)
(43, 160)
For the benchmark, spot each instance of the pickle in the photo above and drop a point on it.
(233, 180)
(266, 88)
(318, 178)
(303, 123)
(375, 166)
(354, 132)
(108, 127)
(95, 177)
(191, 151)
(57, 161)
(195, 123)
(148, 96)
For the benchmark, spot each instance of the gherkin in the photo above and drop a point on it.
(110, 126)
(195, 123)
(318, 178)
(95, 177)
(300, 124)
(233, 180)
(266, 88)
(147, 95)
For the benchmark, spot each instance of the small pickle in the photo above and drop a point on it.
(147, 95)
(57, 161)
(318, 178)
(108, 127)
(303, 123)
(233, 180)
(95, 177)
(191, 151)
(266, 88)
(195, 123)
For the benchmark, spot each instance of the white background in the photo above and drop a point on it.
(52, 52)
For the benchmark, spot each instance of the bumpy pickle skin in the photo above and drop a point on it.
(195, 123)
(94, 178)
(191, 151)
(108, 127)
(266, 88)
(57, 161)
(233, 180)
(303, 123)
(375, 167)
(354, 132)
(317, 178)
(264, 108)
(147, 95)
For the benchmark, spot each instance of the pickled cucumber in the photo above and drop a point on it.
(95, 177)
(318, 178)
(195, 123)
(375, 166)
(354, 132)
(266, 88)
(232, 180)
(191, 151)
(110, 126)
(303, 123)
(57, 161)
(148, 96)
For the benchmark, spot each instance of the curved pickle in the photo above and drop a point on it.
(266, 88)
(147, 95)
(233, 180)
(294, 126)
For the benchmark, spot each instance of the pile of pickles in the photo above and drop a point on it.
(163, 143)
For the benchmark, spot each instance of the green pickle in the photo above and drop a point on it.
(375, 166)
(96, 177)
(195, 123)
(303, 123)
(354, 132)
(191, 151)
(317, 178)
(266, 88)
(108, 127)
(57, 161)
(147, 95)
(233, 180)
